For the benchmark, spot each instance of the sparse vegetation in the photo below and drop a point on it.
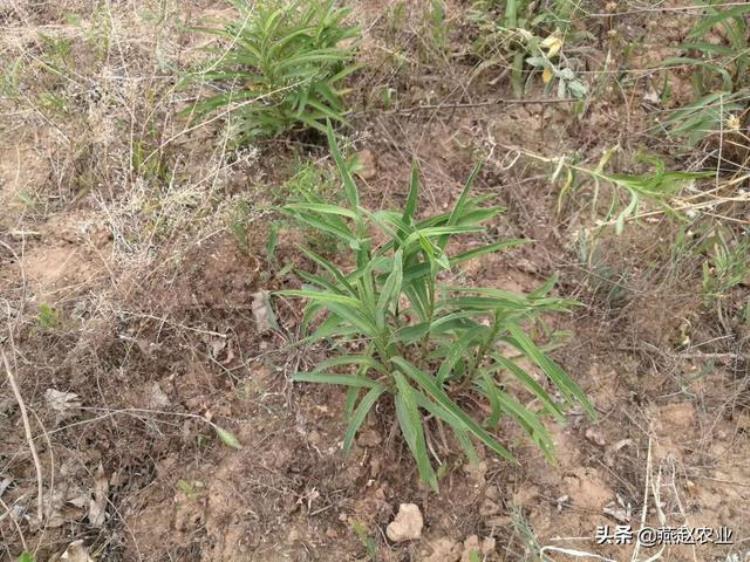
(727, 266)
(516, 39)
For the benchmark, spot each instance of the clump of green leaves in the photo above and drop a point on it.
(283, 67)
(714, 114)
(427, 346)
(717, 52)
(521, 39)
(723, 64)
(727, 267)
(48, 318)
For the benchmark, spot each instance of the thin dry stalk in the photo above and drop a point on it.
(29, 437)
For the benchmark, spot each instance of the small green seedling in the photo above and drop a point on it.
(48, 318)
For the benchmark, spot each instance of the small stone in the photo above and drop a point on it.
(314, 437)
(476, 473)
(595, 437)
(442, 550)
(369, 438)
(472, 545)
(367, 168)
(407, 526)
(488, 508)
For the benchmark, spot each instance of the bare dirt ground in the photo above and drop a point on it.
(133, 246)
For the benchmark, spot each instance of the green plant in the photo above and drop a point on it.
(371, 547)
(427, 345)
(519, 39)
(714, 114)
(726, 60)
(532, 549)
(48, 317)
(727, 267)
(283, 67)
(717, 52)
(437, 26)
(658, 185)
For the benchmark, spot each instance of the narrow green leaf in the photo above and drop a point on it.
(321, 297)
(488, 249)
(458, 351)
(359, 415)
(323, 208)
(567, 385)
(227, 437)
(391, 289)
(455, 424)
(362, 360)
(330, 268)
(411, 200)
(350, 188)
(458, 208)
(530, 384)
(410, 421)
(324, 378)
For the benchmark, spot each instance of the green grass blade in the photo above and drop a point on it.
(567, 385)
(410, 421)
(411, 200)
(359, 415)
(391, 289)
(345, 380)
(362, 360)
(350, 188)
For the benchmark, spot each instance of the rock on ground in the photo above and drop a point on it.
(407, 526)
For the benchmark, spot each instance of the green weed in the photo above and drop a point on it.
(98, 34)
(396, 19)
(426, 343)
(532, 547)
(437, 27)
(57, 50)
(518, 39)
(658, 185)
(722, 64)
(313, 184)
(717, 52)
(10, 79)
(712, 114)
(283, 67)
(727, 267)
(371, 547)
(48, 317)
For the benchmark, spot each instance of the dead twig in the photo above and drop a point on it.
(452, 106)
(29, 437)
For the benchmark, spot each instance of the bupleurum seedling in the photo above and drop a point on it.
(431, 348)
(283, 67)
